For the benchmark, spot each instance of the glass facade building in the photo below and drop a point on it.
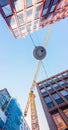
(4, 99)
(25, 16)
(53, 93)
(11, 116)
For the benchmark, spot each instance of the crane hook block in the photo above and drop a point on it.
(39, 52)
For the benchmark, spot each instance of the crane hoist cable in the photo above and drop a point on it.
(32, 40)
(45, 71)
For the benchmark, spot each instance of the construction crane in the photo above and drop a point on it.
(31, 98)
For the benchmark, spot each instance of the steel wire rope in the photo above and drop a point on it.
(32, 40)
(45, 71)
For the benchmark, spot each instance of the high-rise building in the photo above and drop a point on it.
(11, 117)
(53, 94)
(26, 16)
(4, 98)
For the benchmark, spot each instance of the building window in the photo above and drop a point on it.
(48, 99)
(4, 101)
(3, 2)
(60, 4)
(7, 10)
(65, 75)
(37, 15)
(55, 1)
(35, 24)
(12, 22)
(56, 86)
(45, 83)
(20, 18)
(18, 5)
(64, 93)
(29, 12)
(43, 91)
(66, 112)
(52, 8)
(55, 79)
(29, 27)
(22, 29)
(47, 4)
(66, 81)
(59, 122)
(16, 33)
(50, 89)
(28, 3)
(29, 18)
(38, 8)
(40, 86)
(58, 99)
(49, 102)
(48, 16)
(44, 12)
(62, 83)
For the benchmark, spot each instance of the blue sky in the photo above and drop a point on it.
(18, 66)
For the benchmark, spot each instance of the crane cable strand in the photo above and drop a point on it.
(32, 40)
(45, 71)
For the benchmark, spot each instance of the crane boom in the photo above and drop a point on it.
(34, 118)
(36, 75)
(31, 101)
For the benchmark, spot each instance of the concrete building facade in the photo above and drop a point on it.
(53, 94)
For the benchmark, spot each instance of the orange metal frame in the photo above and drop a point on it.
(33, 6)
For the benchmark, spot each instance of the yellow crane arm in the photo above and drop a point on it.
(36, 75)
(47, 36)
(37, 70)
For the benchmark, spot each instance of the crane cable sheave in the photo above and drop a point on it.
(37, 70)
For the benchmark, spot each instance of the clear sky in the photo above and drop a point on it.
(18, 66)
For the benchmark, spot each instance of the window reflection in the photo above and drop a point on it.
(49, 102)
(59, 122)
(57, 98)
